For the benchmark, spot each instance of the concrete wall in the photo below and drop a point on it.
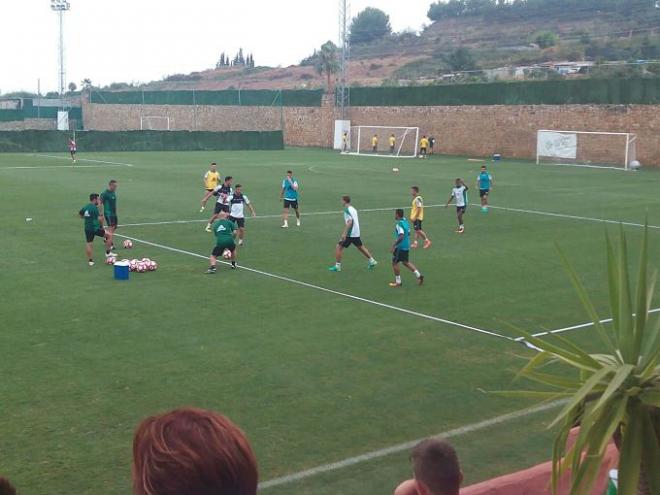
(22, 125)
(461, 130)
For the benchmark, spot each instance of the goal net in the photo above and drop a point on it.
(156, 123)
(384, 141)
(586, 149)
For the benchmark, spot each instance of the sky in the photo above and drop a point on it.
(144, 40)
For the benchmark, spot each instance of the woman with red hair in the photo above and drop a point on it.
(192, 452)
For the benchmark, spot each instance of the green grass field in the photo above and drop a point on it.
(313, 376)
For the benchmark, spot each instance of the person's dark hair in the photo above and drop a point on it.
(289, 172)
(399, 212)
(229, 177)
(93, 196)
(6, 488)
(238, 186)
(112, 181)
(192, 452)
(346, 199)
(415, 188)
(213, 163)
(435, 464)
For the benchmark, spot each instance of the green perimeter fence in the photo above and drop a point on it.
(246, 97)
(54, 141)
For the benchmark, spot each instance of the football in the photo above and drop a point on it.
(110, 260)
(151, 266)
(128, 244)
(226, 254)
(395, 170)
(141, 267)
(635, 165)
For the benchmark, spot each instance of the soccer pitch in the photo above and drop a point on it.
(317, 367)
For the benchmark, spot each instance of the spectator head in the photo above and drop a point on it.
(436, 467)
(192, 452)
(6, 487)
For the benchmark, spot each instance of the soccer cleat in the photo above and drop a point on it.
(372, 265)
(211, 271)
(208, 228)
(297, 223)
(394, 285)
(414, 245)
(334, 268)
(420, 280)
(285, 225)
(484, 209)
(233, 265)
(461, 229)
(90, 263)
(427, 244)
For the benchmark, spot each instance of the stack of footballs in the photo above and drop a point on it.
(135, 265)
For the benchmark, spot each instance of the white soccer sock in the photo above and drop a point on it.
(338, 264)
(417, 274)
(398, 279)
(372, 260)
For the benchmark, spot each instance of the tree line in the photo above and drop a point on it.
(239, 60)
(536, 8)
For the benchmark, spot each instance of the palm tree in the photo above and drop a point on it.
(613, 394)
(327, 61)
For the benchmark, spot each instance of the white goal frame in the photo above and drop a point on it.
(168, 123)
(629, 151)
(397, 154)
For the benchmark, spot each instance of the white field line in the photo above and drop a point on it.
(329, 291)
(59, 166)
(394, 449)
(368, 210)
(574, 327)
(118, 164)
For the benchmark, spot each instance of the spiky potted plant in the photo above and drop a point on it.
(614, 394)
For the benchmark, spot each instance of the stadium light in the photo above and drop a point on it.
(61, 6)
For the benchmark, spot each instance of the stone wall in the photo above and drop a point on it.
(460, 130)
(22, 125)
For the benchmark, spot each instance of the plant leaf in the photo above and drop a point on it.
(626, 334)
(612, 278)
(617, 380)
(553, 380)
(641, 313)
(650, 397)
(582, 393)
(631, 452)
(651, 453)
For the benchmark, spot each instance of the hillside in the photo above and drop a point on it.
(492, 41)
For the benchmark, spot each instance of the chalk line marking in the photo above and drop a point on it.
(329, 291)
(117, 164)
(395, 449)
(58, 167)
(575, 327)
(368, 210)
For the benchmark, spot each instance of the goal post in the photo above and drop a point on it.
(405, 141)
(586, 148)
(156, 123)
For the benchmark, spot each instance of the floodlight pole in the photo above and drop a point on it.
(343, 87)
(61, 6)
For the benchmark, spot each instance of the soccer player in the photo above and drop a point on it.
(431, 144)
(289, 194)
(417, 216)
(109, 207)
(351, 235)
(392, 141)
(423, 147)
(374, 143)
(222, 192)
(237, 202)
(72, 149)
(459, 195)
(401, 250)
(94, 227)
(225, 234)
(484, 183)
(211, 178)
(344, 141)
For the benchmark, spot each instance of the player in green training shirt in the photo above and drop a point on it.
(109, 207)
(401, 250)
(225, 233)
(94, 227)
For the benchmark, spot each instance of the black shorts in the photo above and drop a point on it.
(111, 221)
(356, 241)
(422, 151)
(220, 207)
(483, 192)
(400, 256)
(461, 209)
(218, 250)
(417, 224)
(90, 234)
(238, 221)
(291, 203)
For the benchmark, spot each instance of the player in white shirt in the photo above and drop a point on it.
(351, 235)
(237, 203)
(459, 196)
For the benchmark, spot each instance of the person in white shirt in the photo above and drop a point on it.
(459, 196)
(237, 202)
(351, 235)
